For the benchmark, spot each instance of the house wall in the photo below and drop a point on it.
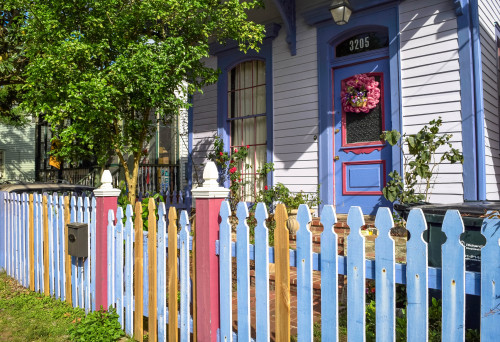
(430, 81)
(489, 12)
(295, 82)
(204, 126)
(430, 88)
(18, 145)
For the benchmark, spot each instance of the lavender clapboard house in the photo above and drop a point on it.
(427, 58)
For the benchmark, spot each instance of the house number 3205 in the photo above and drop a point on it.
(359, 43)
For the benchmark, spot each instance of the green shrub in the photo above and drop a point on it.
(98, 326)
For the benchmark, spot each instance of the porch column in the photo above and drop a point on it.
(106, 200)
(208, 200)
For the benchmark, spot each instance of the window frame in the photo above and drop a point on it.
(2, 164)
(229, 56)
(251, 119)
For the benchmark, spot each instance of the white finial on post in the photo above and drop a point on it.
(210, 188)
(106, 188)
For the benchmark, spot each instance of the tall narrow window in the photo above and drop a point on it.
(2, 164)
(247, 114)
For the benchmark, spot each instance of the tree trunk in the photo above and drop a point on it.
(132, 181)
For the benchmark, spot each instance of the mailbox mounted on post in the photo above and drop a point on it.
(78, 237)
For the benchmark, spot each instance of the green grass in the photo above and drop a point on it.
(29, 316)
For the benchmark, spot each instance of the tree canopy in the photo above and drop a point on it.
(12, 64)
(102, 71)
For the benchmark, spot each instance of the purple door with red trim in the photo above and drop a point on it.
(361, 161)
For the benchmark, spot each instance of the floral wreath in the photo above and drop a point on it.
(360, 94)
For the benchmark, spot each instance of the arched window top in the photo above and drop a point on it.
(362, 41)
(246, 97)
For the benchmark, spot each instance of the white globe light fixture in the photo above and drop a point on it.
(341, 11)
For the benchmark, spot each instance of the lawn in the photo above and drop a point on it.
(29, 316)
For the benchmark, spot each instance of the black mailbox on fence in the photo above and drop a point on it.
(78, 237)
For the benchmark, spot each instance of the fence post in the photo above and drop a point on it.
(208, 199)
(106, 200)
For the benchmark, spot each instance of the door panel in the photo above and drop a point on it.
(360, 157)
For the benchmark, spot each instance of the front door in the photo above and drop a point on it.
(361, 102)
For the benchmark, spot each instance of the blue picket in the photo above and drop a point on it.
(10, 249)
(118, 278)
(243, 272)
(57, 247)
(74, 261)
(36, 241)
(41, 241)
(304, 276)
(129, 271)
(416, 278)
(50, 211)
(490, 276)
(26, 241)
(162, 274)
(453, 275)
(93, 240)
(329, 278)
(62, 244)
(184, 277)
(80, 276)
(355, 277)
(385, 278)
(86, 265)
(16, 236)
(263, 324)
(110, 257)
(3, 236)
(225, 275)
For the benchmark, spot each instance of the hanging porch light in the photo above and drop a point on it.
(341, 11)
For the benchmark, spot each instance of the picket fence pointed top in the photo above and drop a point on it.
(119, 214)
(225, 210)
(184, 219)
(129, 211)
(261, 212)
(210, 188)
(384, 221)
(242, 212)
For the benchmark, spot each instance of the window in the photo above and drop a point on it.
(247, 116)
(2, 164)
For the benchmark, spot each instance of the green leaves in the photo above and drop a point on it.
(98, 326)
(419, 162)
(391, 137)
(102, 73)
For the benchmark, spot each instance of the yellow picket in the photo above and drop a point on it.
(282, 262)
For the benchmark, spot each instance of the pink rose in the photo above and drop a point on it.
(232, 170)
(235, 150)
(221, 153)
(265, 188)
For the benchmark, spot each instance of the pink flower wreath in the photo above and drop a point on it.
(360, 94)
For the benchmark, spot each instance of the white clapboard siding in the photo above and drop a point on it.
(295, 97)
(18, 144)
(431, 80)
(489, 13)
(204, 125)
